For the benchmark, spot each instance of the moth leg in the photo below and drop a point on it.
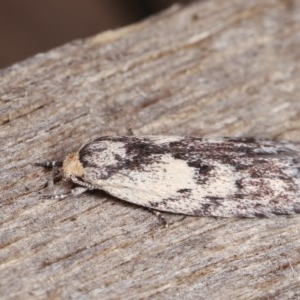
(160, 218)
(49, 164)
(130, 131)
(73, 192)
(50, 182)
(53, 165)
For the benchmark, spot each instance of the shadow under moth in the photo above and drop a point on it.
(222, 177)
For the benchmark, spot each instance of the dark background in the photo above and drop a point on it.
(28, 27)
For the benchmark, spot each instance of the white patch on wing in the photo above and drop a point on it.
(165, 139)
(108, 156)
(162, 180)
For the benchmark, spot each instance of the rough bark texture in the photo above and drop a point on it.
(210, 69)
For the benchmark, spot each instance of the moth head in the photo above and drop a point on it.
(72, 166)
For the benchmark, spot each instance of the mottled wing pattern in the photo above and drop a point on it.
(197, 176)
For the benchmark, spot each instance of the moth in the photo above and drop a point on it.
(222, 177)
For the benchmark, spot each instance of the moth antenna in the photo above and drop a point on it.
(83, 184)
(49, 164)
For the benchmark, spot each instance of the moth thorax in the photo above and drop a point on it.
(72, 166)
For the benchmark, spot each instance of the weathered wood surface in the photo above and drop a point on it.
(213, 68)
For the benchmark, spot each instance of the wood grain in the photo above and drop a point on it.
(213, 68)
